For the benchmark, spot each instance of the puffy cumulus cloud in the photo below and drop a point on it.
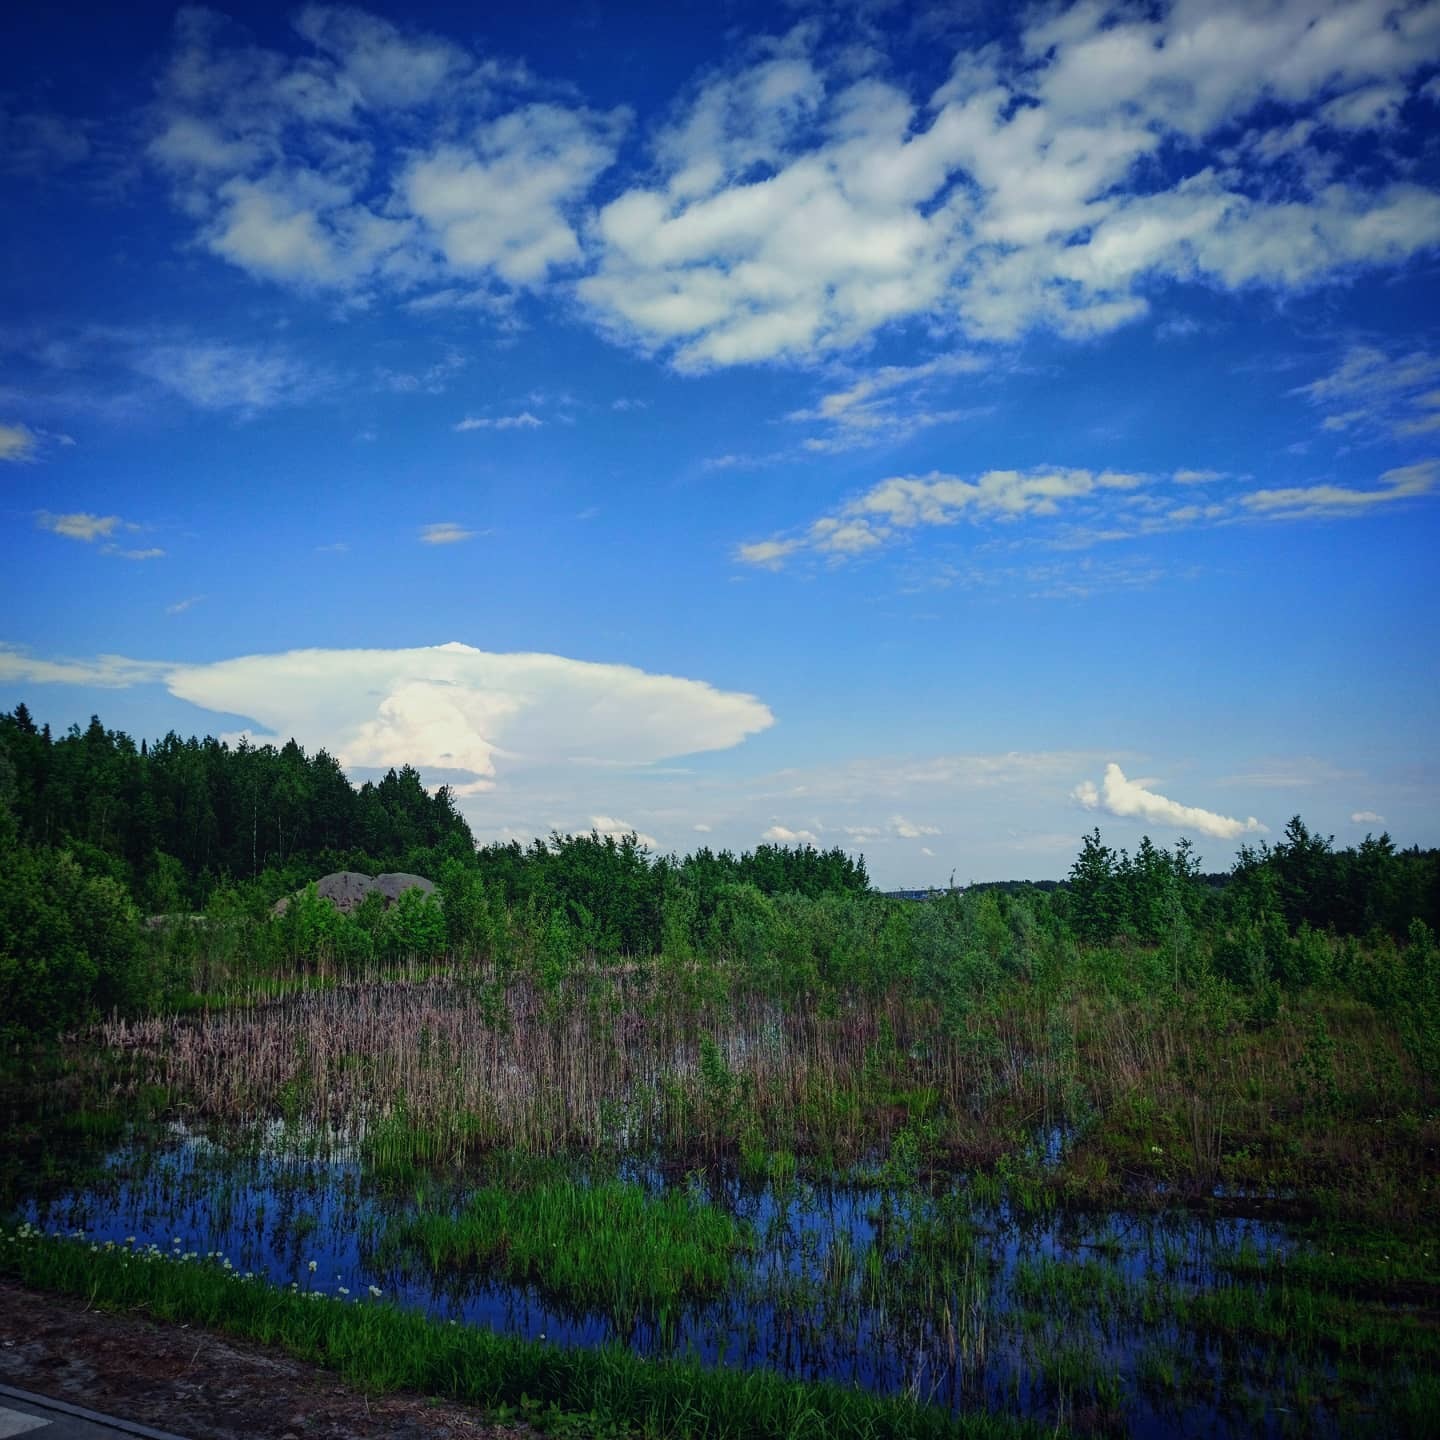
(804, 196)
(1372, 389)
(504, 203)
(290, 164)
(908, 830)
(903, 504)
(784, 835)
(17, 442)
(798, 208)
(1134, 800)
(1366, 817)
(1405, 482)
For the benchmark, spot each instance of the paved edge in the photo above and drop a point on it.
(128, 1427)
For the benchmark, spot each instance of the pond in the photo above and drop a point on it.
(1158, 1323)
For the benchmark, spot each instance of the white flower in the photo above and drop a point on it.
(312, 1267)
(376, 1291)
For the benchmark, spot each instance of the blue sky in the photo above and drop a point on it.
(933, 431)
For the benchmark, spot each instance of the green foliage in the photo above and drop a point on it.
(70, 943)
(413, 926)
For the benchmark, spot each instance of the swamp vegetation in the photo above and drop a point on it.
(722, 1145)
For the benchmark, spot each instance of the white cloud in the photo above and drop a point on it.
(151, 552)
(783, 835)
(1366, 817)
(445, 532)
(1134, 800)
(1406, 482)
(287, 166)
(17, 442)
(523, 421)
(80, 525)
(908, 830)
(893, 508)
(181, 606)
(795, 204)
(504, 203)
(466, 709)
(795, 215)
(468, 714)
(604, 825)
(1372, 389)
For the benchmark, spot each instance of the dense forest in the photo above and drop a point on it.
(103, 831)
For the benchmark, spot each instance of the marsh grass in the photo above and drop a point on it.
(1156, 1097)
(612, 1248)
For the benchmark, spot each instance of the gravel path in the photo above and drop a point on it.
(201, 1385)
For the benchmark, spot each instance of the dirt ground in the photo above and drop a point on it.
(202, 1386)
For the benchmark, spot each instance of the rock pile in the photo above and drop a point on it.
(346, 889)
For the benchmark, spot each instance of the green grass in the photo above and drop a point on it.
(611, 1248)
(379, 1347)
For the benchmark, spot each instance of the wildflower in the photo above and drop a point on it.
(342, 1291)
(376, 1291)
(312, 1267)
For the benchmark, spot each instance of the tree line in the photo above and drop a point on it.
(100, 832)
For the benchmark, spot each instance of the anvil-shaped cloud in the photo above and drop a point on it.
(445, 707)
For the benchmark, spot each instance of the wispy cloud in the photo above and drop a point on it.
(247, 379)
(433, 379)
(523, 421)
(1135, 800)
(1406, 482)
(109, 672)
(1366, 817)
(445, 532)
(1372, 390)
(181, 606)
(888, 404)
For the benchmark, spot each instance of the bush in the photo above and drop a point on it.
(70, 943)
